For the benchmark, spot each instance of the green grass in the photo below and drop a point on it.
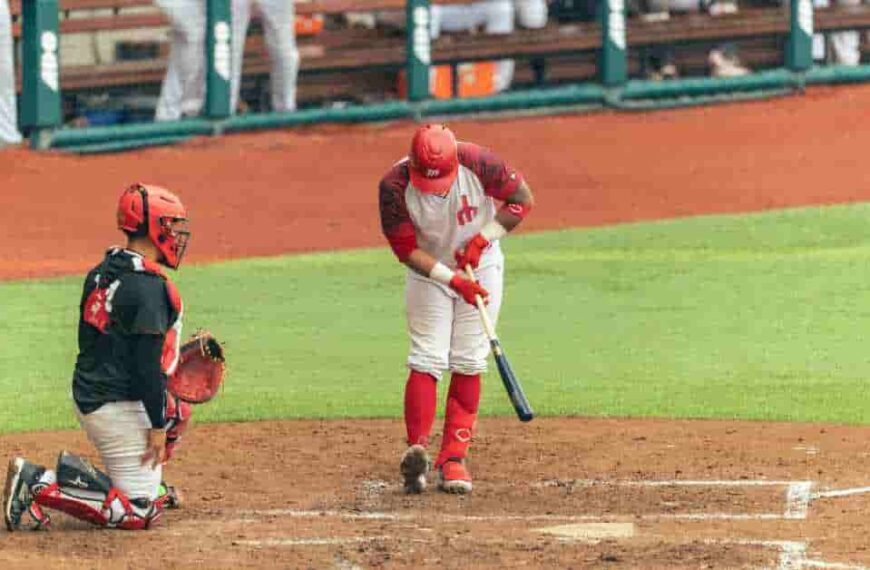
(758, 316)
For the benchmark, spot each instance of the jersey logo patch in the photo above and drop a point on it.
(98, 306)
(467, 213)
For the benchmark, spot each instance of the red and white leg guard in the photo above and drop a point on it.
(463, 400)
(420, 404)
(112, 510)
(81, 490)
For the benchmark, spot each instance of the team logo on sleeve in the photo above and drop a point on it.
(98, 306)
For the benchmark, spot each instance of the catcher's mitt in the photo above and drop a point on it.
(200, 370)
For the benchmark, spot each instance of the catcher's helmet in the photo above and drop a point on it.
(434, 159)
(158, 214)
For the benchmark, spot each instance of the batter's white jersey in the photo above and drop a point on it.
(446, 332)
(445, 224)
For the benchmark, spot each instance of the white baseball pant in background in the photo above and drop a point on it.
(446, 332)
(119, 431)
(8, 111)
(846, 45)
(279, 29)
(183, 90)
(493, 16)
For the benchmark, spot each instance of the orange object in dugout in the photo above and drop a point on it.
(308, 25)
(475, 79)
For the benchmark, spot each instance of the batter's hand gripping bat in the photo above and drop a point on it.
(508, 378)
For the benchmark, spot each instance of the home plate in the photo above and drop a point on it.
(590, 532)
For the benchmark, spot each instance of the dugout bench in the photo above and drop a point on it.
(362, 64)
(358, 64)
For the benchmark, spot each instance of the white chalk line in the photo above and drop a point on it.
(797, 497)
(314, 541)
(807, 563)
(674, 483)
(797, 505)
(792, 554)
(384, 516)
(840, 493)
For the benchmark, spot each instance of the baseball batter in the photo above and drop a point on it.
(129, 327)
(439, 213)
(8, 115)
(279, 29)
(183, 91)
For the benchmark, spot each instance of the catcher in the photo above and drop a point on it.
(129, 354)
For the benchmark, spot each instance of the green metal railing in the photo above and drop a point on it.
(41, 96)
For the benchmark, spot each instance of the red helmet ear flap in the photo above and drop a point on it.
(133, 215)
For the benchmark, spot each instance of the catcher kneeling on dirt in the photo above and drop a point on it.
(133, 381)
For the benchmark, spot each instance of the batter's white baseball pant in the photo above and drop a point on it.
(446, 332)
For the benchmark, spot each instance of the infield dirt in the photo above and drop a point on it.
(327, 494)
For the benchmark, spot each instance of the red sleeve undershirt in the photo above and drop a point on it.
(395, 219)
(499, 180)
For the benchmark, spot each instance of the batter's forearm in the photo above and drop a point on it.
(421, 262)
(516, 207)
(509, 216)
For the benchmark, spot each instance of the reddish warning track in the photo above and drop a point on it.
(313, 189)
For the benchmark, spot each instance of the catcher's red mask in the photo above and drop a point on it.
(158, 214)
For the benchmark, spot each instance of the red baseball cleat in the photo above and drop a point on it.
(454, 477)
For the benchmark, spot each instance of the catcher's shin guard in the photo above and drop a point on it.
(87, 494)
(463, 399)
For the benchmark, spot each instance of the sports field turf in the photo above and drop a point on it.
(759, 316)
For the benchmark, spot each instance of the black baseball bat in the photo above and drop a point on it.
(509, 379)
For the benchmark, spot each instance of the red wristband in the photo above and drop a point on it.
(518, 210)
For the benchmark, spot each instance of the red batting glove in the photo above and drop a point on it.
(470, 254)
(467, 289)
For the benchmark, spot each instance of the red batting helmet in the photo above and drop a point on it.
(434, 160)
(158, 214)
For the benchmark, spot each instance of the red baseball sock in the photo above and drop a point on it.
(463, 399)
(420, 402)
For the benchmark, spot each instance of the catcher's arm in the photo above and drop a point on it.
(201, 369)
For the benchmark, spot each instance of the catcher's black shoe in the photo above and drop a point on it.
(415, 465)
(17, 494)
(170, 496)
